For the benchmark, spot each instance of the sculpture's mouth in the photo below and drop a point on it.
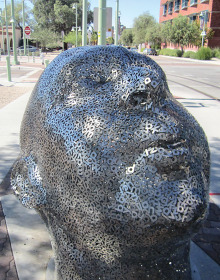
(173, 157)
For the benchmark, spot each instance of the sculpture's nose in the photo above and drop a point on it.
(140, 85)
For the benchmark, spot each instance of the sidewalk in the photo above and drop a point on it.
(24, 242)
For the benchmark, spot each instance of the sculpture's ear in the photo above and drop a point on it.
(27, 182)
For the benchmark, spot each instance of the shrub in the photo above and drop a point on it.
(171, 52)
(188, 54)
(204, 53)
(193, 55)
(216, 52)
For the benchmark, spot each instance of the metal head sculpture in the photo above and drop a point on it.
(117, 169)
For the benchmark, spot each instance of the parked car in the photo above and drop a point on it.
(150, 51)
(28, 48)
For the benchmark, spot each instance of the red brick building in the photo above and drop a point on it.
(210, 9)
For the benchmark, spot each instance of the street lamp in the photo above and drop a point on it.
(203, 18)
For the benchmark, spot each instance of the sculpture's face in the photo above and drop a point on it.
(104, 143)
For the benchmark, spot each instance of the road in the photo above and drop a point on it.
(191, 75)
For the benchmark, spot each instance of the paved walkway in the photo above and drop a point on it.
(24, 242)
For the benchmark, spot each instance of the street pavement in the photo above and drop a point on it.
(24, 242)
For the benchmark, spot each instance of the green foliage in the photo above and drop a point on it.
(59, 15)
(204, 53)
(71, 38)
(193, 55)
(141, 25)
(181, 32)
(189, 54)
(110, 40)
(46, 38)
(166, 31)
(216, 52)
(127, 37)
(153, 35)
(171, 52)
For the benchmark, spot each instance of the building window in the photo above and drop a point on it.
(192, 18)
(165, 10)
(170, 9)
(185, 4)
(203, 1)
(193, 2)
(177, 6)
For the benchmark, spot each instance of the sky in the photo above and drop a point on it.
(129, 9)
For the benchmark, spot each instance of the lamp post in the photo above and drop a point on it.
(84, 24)
(13, 32)
(116, 22)
(203, 17)
(24, 37)
(75, 7)
(102, 23)
(3, 45)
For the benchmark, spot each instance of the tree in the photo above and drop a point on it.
(46, 38)
(59, 15)
(183, 32)
(127, 37)
(166, 31)
(153, 35)
(141, 25)
(71, 38)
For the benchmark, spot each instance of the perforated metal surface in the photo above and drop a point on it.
(118, 170)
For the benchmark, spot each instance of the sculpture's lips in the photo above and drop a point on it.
(171, 156)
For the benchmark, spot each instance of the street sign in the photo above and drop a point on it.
(203, 33)
(27, 30)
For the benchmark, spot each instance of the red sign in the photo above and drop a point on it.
(27, 30)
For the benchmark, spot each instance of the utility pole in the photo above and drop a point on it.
(24, 37)
(13, 32)
(116, 22)
(84, 24)
(3, 44)
(102, 23)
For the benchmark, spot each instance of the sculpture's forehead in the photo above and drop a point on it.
(117, 57)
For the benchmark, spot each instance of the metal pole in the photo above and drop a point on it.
(3, 44)
(84, 24)
(8, 68)
(6, 23)
(116, 22)
(24, 37)
(13, 33)
(102, 23)
(76, 28)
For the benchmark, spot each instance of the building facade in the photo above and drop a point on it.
(3, 37)
(200, 10)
